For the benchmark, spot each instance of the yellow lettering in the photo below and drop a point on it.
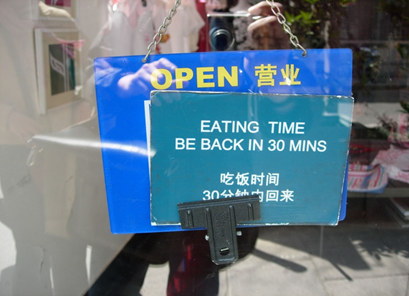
(183, 74)
(160, 72)
(223, 75)
(205, 77)
(201, 76)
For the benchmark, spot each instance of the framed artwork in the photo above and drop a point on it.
(57, 62)
(54, 9)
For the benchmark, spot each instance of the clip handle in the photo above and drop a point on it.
(220, 217)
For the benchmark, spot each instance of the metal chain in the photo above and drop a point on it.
(283, 21)
(162, 29)
(168, 19)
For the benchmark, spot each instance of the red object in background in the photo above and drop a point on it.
(358, 149)
(192, 273)
(63, 3)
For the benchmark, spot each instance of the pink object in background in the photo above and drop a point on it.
(63, 3)
(366, 178)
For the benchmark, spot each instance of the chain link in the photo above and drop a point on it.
(162, 30)
(168, 19)
(283, 22)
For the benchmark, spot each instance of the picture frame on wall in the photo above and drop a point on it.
(62, 10)
(57, 63)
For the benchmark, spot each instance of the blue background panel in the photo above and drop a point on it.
(123, 84)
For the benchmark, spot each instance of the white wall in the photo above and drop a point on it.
(54, 226)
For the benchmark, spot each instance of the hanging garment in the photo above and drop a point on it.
(183, 33)
(130, 28)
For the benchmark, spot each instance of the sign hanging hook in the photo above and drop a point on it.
(275, 9)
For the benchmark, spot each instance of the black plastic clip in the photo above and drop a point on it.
(220, 217)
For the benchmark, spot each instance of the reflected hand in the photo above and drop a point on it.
(214, 5)
(141, 80)
(267, 30)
